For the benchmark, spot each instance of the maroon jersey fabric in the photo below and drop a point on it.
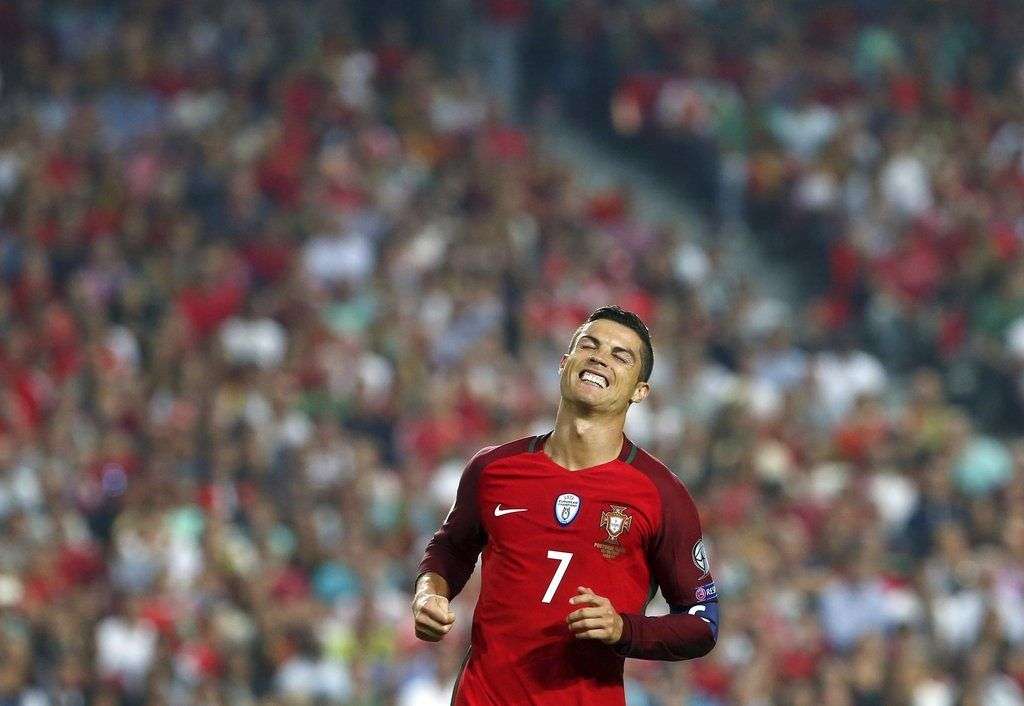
(622, 528)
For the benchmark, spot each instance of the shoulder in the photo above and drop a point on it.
(489, 454)
(668, 485)
(679, 518)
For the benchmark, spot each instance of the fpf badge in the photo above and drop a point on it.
(616, 523)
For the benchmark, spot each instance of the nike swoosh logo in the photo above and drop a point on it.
(498, 512)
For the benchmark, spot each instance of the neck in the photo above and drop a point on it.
(581, 440)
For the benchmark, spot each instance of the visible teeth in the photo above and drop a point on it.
(588, 376)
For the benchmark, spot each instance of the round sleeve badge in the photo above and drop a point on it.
(700, 557)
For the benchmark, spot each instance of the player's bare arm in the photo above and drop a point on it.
(430, 608)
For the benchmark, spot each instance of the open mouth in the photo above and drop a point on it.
(589, 377)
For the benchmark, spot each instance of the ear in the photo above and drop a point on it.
(640, 392)
(561, 363)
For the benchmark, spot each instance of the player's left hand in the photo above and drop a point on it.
(599, 621)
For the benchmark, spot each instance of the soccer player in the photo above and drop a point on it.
(577, 527)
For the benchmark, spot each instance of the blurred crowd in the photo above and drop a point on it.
(877, 146)
(268, 279)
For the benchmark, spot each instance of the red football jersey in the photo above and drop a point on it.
(622, 528)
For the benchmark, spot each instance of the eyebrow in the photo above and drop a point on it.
(615, 349)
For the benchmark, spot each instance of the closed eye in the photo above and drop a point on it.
(624, 355)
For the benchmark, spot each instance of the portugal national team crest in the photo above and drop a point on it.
(615, 522)
(567, 506)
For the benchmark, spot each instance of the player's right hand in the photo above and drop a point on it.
(433, 618)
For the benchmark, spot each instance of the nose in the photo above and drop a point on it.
(595, 359)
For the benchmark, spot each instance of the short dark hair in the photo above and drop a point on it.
(630, 321)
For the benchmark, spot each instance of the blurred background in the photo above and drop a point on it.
(270, 272)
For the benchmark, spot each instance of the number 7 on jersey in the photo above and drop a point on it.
(563, 563)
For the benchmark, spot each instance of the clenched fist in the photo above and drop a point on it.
(600, 621)
(433, 618)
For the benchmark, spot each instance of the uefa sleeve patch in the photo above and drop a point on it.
(707, 592)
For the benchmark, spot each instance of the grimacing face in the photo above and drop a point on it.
(602, 369)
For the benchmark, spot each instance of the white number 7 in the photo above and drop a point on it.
(563, 563)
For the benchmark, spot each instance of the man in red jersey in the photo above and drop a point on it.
(577, 528)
